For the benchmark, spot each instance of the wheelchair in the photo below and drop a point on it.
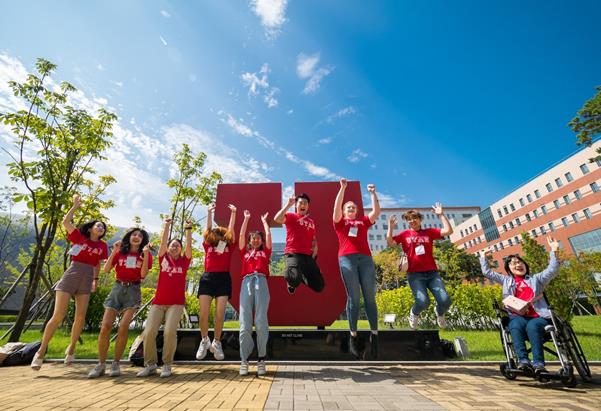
(566, 349)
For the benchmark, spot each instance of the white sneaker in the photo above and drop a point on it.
(413, 320)
(244, 368)
(115, 369)
(69, 358)
(441, 321)
(261, 369)
(166, 371)
(97, 371)
(203, 348)
(217, 350)
(150, 369)
(37, 362)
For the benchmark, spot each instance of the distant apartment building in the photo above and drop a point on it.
(377, 232)
(563, 201)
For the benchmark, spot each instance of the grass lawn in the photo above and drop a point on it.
(483, 345)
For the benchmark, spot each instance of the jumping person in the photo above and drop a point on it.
(168, 302)
(254, 292)
(78, 281)
(301, 245)
(131, 259)
(356, 264)
(215, 282)
(521, 284)
(422, 272)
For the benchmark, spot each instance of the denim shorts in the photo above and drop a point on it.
(124, 297)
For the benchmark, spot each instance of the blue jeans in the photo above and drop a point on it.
(359, 275)
(423, 281)
(254, 299)
(533, 329)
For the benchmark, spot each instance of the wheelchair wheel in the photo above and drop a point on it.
(575, 352)
(567, 376)
(506, 372)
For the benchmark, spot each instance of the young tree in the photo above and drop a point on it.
(455, 264)
(587, 123)
(55, 145)
(388, 275)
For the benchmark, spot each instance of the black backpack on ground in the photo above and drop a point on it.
(24, 355)
(137, 357)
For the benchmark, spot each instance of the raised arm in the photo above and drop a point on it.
(552, 269)
(267, 231)
(68, 218)
(165, 238)
(375, 204)
(108, 265)
(232, 222)
(337, 215)
(188, 252)
(280, 216)
(488, 272)
(391, 227)
(145, 260)
(210, 211)
(242, 238)
(446, 225)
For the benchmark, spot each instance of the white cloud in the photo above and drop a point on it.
(100, 66)
(344, 112)
(356, 156)
(319, 171)
(163, 40)
(258, 83)
(307, 68)
(165, 14)
(272, 14)
(389, 201)
(326, 140)
(239, 127)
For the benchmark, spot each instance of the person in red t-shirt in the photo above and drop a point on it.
(131, 259)
(168, 302)
(422, 273)
(301, 245)
(78, 281)
(215, 282)
(356, 265)
(254, 292)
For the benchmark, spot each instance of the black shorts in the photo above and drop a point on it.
(215, 284)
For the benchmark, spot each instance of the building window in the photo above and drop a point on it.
(575, 218)
(510, 242)
(512, 207)
(587, 213)
(535, 213)
(533, 232)
(517, 222)
(461, 231)
(549, 188)
(385, 226)
(556, 203)
(551, 226)
(569, 176)
(566, 199)
(598, 161)
(495, 247)
(499, 213)
(501, 245)
(578, 194)
(586, 242)
(564, 221)
(383, 217)
(375, 226)
(529, 198)
(470, 228)
(594, 186)
(558, 182)
(543, 208)
(371, 237)
(378, 237)
(584, 169)
(522, 203)
(505, 210)
(527, 217)
(517, 239)
(504, 227)
(542, 229)
(537, 193)
(511, 225)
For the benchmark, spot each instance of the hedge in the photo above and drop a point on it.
(472, 306)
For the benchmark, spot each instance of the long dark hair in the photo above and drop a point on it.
(85, 228)
(125, 241)
(508, 258)
(260, 234)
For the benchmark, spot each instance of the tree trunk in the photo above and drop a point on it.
(30, 293)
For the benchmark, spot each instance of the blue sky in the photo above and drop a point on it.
(458, 102)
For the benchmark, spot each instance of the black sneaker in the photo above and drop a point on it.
(354, 345)
(291, 290)
(373, 339)
(526, 367)
(539, 367)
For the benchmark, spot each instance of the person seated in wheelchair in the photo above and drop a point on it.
(529, 319)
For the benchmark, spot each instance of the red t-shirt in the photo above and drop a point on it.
(255, 261)
(128, 267)
(524, 292)
(417, 245)
(88, 251)
(216, 262)
(300, 231)
(352, 235)
(171, 287)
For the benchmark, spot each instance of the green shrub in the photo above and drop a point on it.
(471, 306)
(95, 309)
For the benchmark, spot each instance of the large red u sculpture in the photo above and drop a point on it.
(305, 307)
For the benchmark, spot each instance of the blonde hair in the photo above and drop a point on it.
(214, 235)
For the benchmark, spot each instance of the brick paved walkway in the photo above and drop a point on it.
(290, 387)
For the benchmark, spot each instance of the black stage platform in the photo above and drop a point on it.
(322, 345)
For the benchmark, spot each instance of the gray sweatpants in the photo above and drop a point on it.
(254, 298)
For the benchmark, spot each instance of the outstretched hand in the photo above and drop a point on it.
(437, 209)
(232, 208)
(371, 188)
(211, 208)
(264, 218)
(246, 214)
(117, 246)
(147, 248)
(343, 182)
(553, 243)
(392, 221)
(76, 201)
(291, 200)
